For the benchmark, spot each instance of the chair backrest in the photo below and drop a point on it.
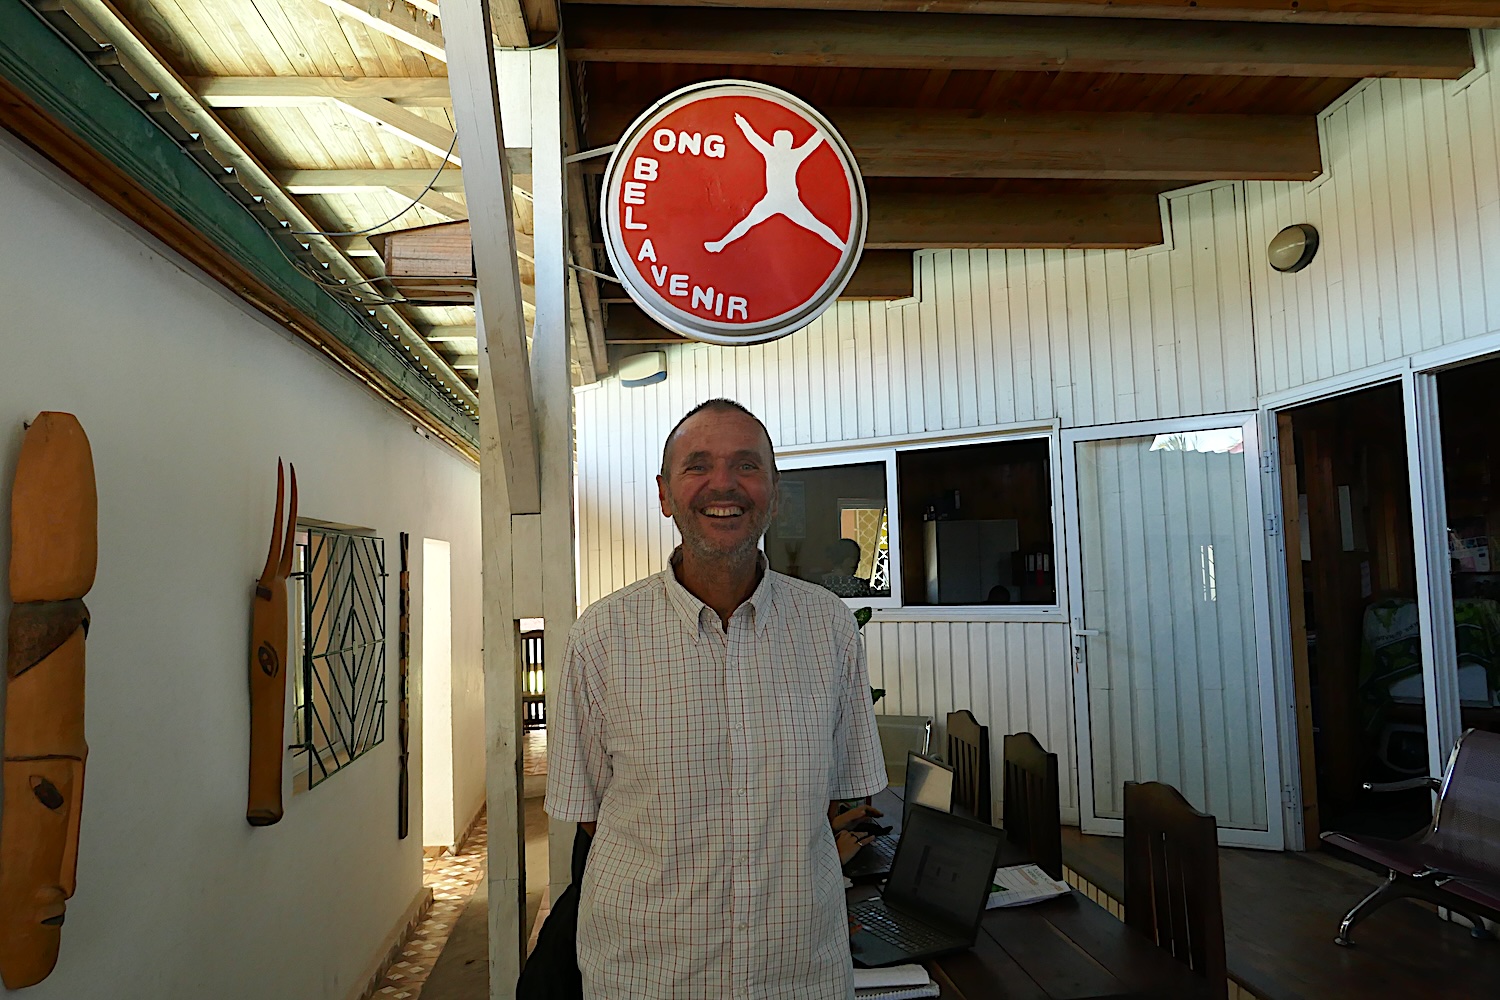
(898, 734)
(1030, 802)
(1172, 890)
(969, 753)
(1467, 820)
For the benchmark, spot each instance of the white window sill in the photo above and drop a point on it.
(978, 613)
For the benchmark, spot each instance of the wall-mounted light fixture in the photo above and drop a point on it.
(1293, 248)
(643, 369)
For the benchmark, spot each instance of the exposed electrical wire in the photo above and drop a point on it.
(414, 203)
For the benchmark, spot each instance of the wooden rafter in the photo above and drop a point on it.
(398, 21)
(408, 125)
(1017, 44)
(301, 91)
(506, 20)
(1401, 13)
(1105, 146)
(449, 181)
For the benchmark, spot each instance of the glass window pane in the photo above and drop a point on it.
(831, 529)
(976, 524)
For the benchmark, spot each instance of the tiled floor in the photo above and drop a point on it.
(453, 879)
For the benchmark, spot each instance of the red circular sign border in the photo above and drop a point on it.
(694, 327)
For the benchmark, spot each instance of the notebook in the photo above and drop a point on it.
(928, 783)
(935, 896)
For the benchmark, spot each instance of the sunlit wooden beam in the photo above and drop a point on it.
(399, 22)
(302, 91)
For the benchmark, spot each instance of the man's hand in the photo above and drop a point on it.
(847, 819)
(845, 838)
(849, 842)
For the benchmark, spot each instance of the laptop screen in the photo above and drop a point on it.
(928, 783)
(943, 866)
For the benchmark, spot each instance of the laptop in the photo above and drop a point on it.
(928, 783)
(934, 899)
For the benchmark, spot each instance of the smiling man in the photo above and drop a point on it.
(705, 720)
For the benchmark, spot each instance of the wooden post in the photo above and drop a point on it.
(552, 389)
(509, 481)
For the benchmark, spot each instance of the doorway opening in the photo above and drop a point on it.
(1356, 637)
(1471, 480)
(438, 822)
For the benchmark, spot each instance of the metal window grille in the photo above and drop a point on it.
(339, 617)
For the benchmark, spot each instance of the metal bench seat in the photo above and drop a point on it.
(1456, 862)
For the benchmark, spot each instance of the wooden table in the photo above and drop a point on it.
(1068, 948)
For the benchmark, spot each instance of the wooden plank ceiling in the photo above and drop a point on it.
(1033, 123)
(346, 105)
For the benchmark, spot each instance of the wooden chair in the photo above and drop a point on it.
(1030, 802)
(1172, 890)
(969, 755)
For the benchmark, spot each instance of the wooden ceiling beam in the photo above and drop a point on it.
(1065, 220)
(881, 274)
(1106, 146)
(627, 324)
(408, 125)
(456, 332)
(1398, 13)
(450, 181)
(301, 91)
(507, 23)
(855, 40)
(399, 22)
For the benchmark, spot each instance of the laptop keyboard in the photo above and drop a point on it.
(890, 927)
(883, 848)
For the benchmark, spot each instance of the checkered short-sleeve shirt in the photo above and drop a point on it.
(708, 757)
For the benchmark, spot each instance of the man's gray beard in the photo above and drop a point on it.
(743, 553)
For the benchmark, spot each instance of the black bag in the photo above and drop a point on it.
(551, 973)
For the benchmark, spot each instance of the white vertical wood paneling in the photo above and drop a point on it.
(1409, 217)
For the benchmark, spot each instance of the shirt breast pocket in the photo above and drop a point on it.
(804, 728)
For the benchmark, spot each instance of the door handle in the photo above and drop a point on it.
(1087, 631)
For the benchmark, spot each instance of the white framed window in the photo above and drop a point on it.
(941, 527)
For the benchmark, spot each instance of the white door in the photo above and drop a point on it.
(1167, 580)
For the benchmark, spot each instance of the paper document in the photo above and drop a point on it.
(896, 982)
(1022, 884)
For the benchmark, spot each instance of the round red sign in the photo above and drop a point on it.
(733, 212)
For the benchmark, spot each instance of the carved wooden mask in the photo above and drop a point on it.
(268, 659)
(54, 550)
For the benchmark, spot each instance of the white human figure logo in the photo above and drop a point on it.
(782, 197)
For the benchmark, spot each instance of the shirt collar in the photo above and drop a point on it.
(760, 605)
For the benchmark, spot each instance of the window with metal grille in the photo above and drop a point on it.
(338, 617)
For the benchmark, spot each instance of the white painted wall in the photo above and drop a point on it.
(1409, 217)
(189, 398)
